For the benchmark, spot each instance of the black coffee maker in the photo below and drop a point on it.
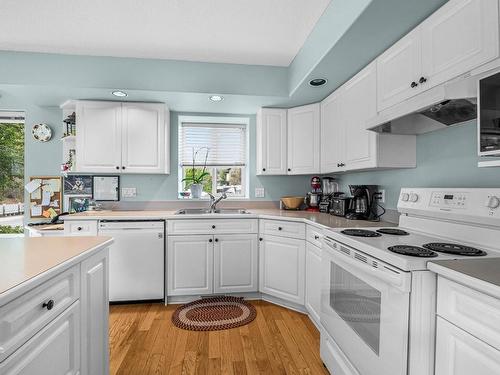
(361, 206)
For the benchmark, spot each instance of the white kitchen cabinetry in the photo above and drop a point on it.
(235, 263)
(458, 37)
(205, 264)
(304, 139)
(271, 143)
(190, 265)
(467, 332)
(99, 137)
(281, 268)
(113, 137)
(60, 324)
(313, 282)
(332, 133)
(344, 125)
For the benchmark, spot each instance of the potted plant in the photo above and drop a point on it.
(197, 176)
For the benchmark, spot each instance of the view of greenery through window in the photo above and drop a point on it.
(11, 177)
(228, 179)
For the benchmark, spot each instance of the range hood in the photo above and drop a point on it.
(437, 108)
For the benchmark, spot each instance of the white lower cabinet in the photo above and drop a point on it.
(206, 264)
(460, 353)
(282, 268)
(235, 263)
(313, 282)
(53, 350)
(66, 318)
(190, 265)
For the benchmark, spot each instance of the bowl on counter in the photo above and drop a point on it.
(292, 203)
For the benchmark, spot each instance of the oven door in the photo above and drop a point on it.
(365, 309)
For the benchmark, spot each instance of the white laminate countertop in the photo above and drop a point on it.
(25, 258)
(313, 218)
(482, 274)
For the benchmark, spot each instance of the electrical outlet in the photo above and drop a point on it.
(129, 192)
(259, 192)
(381, 196)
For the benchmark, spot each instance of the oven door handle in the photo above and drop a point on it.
(385, 273)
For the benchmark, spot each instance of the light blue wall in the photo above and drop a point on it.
(445, 158)
(45, 158)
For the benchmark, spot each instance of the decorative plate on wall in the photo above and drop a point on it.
(41, 132)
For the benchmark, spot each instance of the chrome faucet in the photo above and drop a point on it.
(214, 201)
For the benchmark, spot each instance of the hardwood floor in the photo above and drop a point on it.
(279, 341)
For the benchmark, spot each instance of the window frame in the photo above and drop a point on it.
(245, 180)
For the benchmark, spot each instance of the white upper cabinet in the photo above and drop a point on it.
(304, 139)
(398, 70)
(332, 133)
(271, 141)
(143, 138)
(458, 37)
(98, 140)
(346, 144)
(115, 137)
(358, 105)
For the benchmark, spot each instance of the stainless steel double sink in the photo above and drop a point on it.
(206, 211)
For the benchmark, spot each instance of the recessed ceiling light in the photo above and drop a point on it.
(317, 82)
(120, 94)
(216, 98)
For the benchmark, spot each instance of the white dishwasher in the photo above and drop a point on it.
(136, 259)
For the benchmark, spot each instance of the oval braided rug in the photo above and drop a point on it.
(213, 314)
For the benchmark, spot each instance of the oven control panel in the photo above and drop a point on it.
(449, 199)
(478, 205)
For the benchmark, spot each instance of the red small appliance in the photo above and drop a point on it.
(313, 197)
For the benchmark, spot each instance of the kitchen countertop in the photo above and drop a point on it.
(25, 258)
(481, 274)
(313, 218)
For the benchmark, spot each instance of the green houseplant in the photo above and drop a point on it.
(195, 177)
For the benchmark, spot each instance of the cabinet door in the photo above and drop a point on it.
(397, 69)
(358, 105)
(460, 353)
(235, 263)
(313, 281)
(460, 36)
(281, 268)
(95, 312)
(332, 133)
(144, 144)
(190, 265)
(303, 139)
(53, 350)
(271, 141)
(98, 137)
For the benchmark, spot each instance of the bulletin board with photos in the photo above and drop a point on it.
(45, 196)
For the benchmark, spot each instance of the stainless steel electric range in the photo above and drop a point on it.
(378, 297)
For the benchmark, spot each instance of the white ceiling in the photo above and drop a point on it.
(261, 32)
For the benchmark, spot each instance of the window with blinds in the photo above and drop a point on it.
(226, 144)
(225, 148)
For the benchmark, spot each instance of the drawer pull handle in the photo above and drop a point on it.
(280, 228)
(216, 240)
(48, 305)
(210, 240)
(260, 239)
(316, 237)
(79, 228)
(213, 226)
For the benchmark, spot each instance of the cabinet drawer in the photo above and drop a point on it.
(80, 228)
(53, 350)
(290, 229)
(462, 306)
(314, 235)
(21, 318)
(211, 226)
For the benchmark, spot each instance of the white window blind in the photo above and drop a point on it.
(226, 144)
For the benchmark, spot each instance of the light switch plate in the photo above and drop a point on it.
(260, 192)
(129, 192)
